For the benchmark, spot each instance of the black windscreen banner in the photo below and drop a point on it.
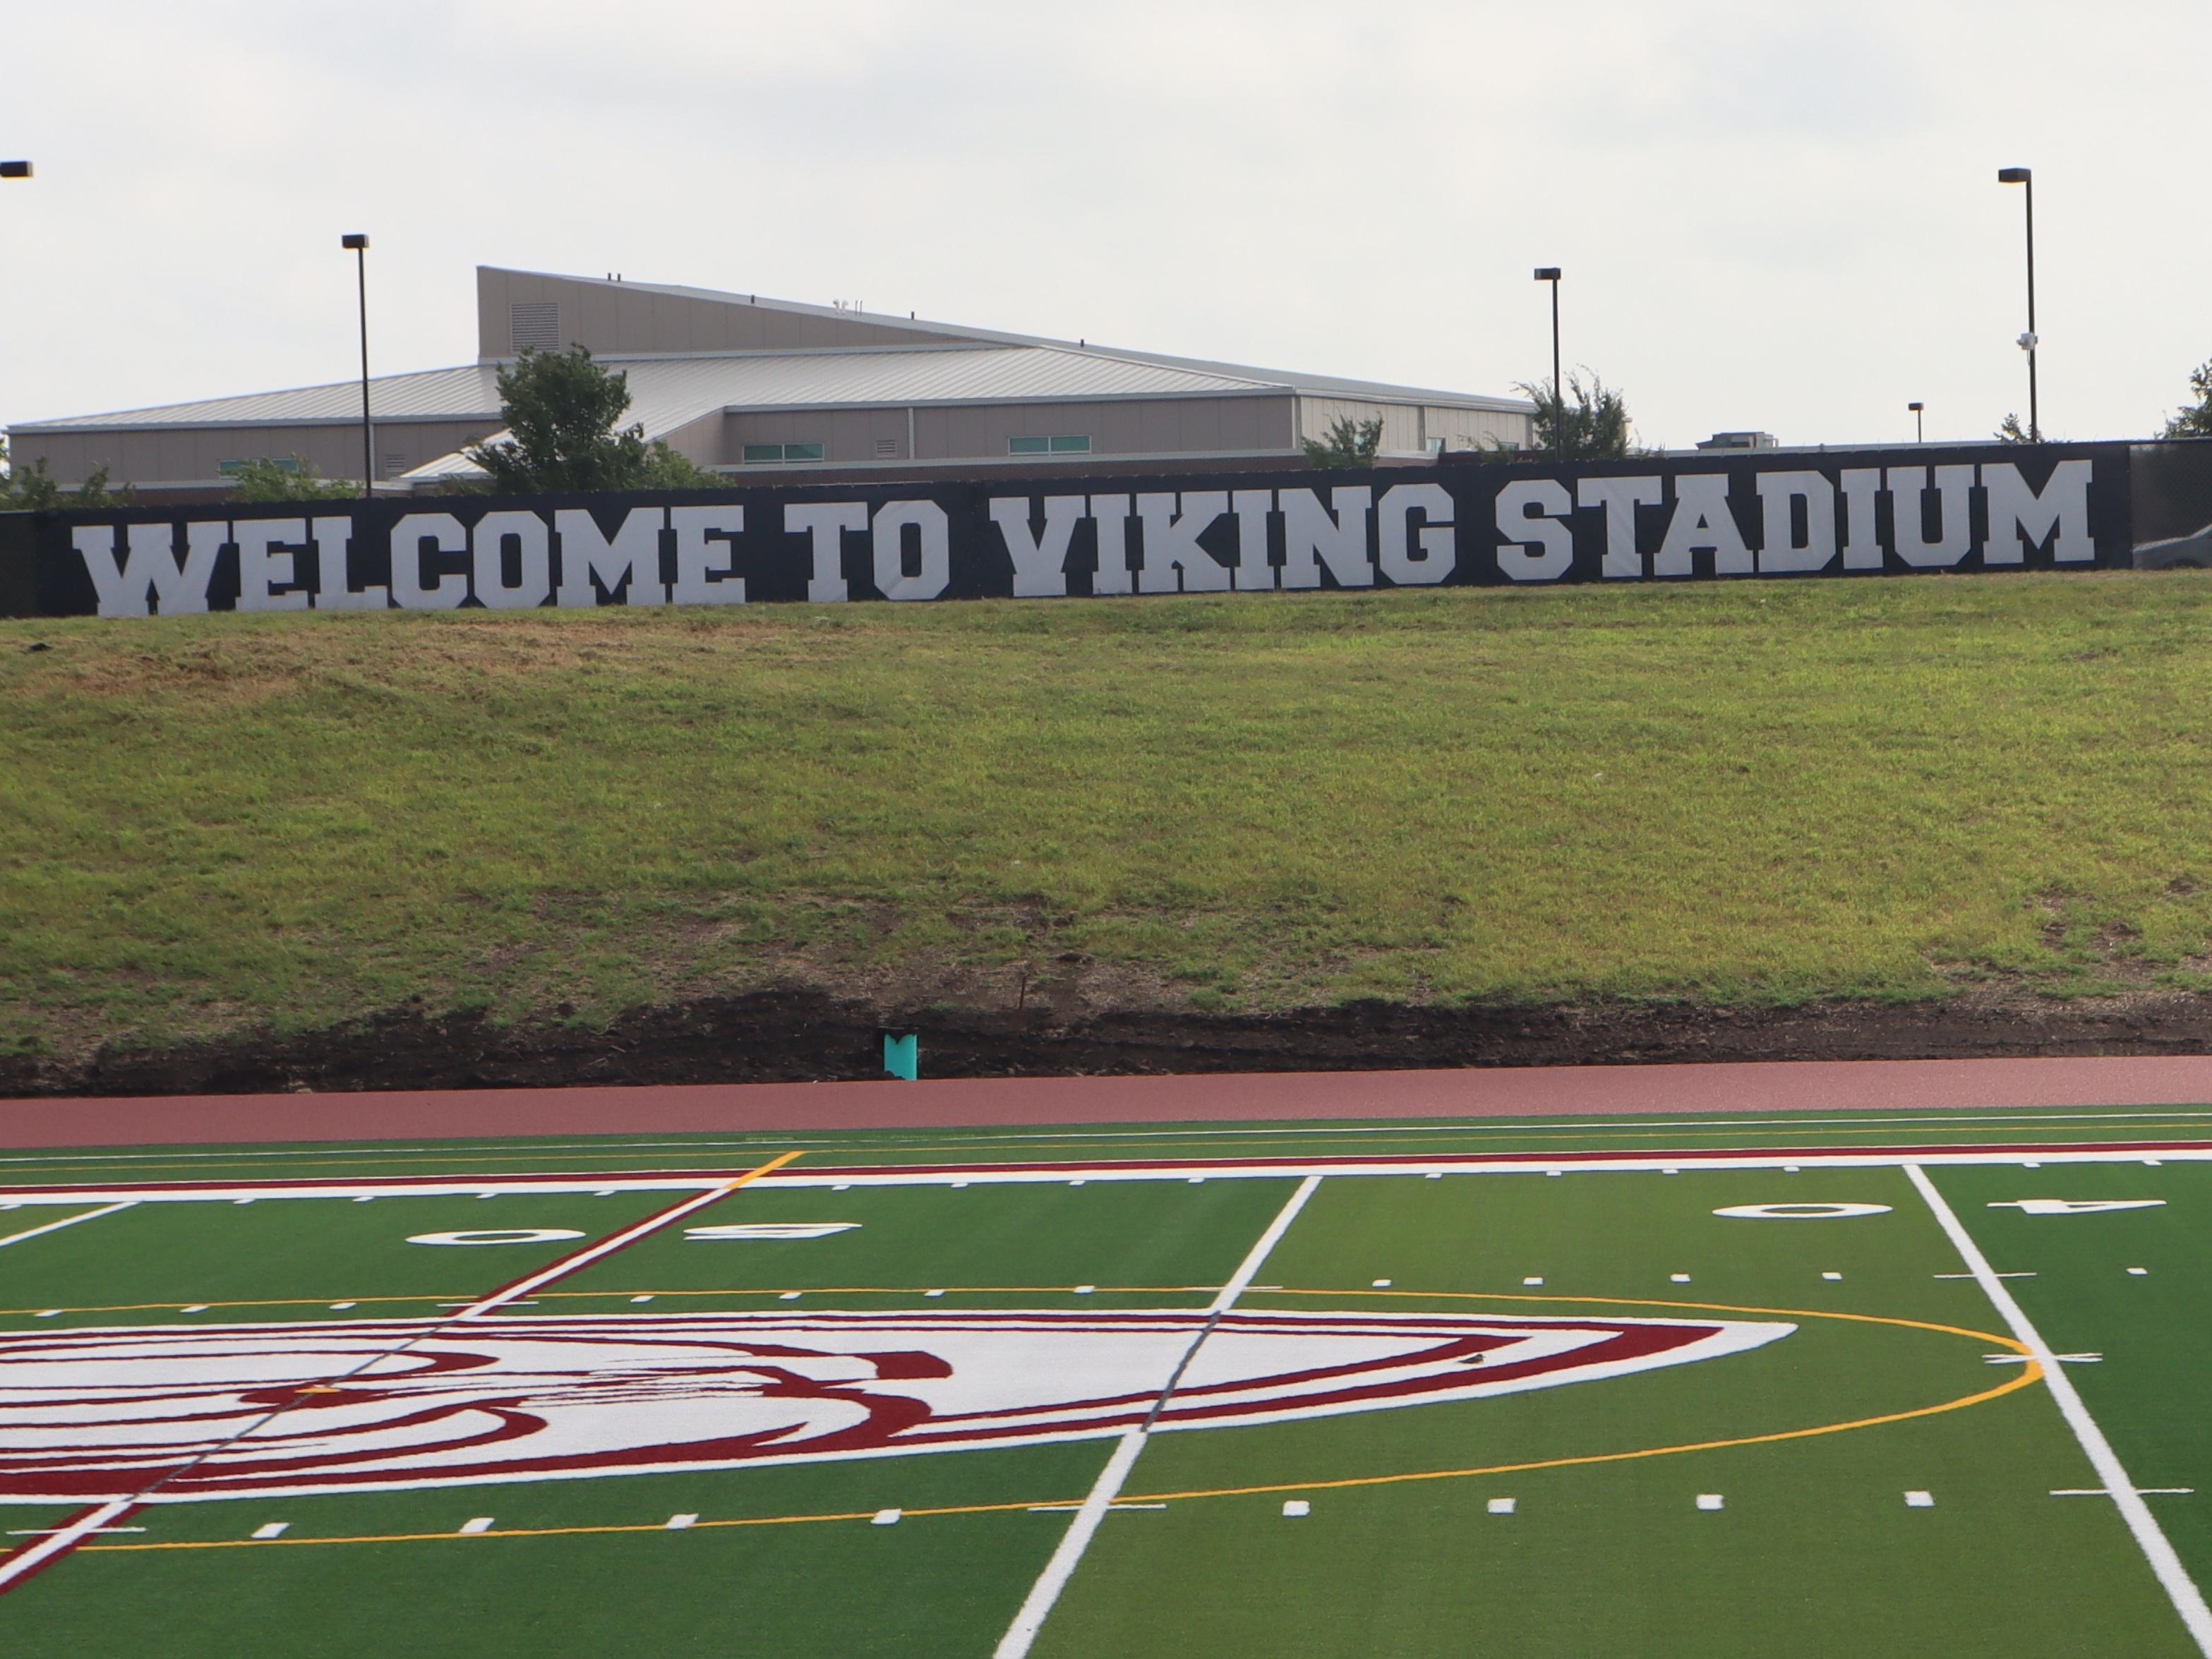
(1751, 515)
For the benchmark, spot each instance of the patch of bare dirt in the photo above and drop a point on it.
(1059, 1016)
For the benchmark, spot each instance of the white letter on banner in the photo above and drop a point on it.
(826, 522)
(698, 580)
(1620, 497)
(2063, 506)
(1109, 515)
(1171, 542)
(262, 569)
(1702, 523)
(1436, 558)
(1040, 562)
(489, 543)
(1254, 573)
(444, 530)
(333, 540)
(1778, 550)
(1861, 542)
(585, 553)
(1529, 514)
(1908, 487)
(928, 519)
(1341, 539)
(150, 567)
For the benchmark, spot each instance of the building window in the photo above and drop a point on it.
(281, 462)
(768, 454)
(1066, 444)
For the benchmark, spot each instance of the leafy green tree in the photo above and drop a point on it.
(1596, 425)
(561, 408)
(294, 478)
(2010, 431)
(2195, 422)
(1349, 443)
(33, 489)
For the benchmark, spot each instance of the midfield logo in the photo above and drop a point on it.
(242, 1409)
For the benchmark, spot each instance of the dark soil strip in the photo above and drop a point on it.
(806, 1037)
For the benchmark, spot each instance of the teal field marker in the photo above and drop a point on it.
(902, 1056)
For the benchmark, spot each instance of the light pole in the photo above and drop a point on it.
(1919, 428)
(357, 245)
(14, 169)
(1551, 274)
(2026, 176)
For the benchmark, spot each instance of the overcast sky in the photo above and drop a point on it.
(1779, 215)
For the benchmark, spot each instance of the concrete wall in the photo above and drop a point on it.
(611, 317)
(186, 454)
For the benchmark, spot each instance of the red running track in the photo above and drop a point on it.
(1516, 1092)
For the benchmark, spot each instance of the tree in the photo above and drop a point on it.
(561, 408)
(2010, 431)
(1349, 443)
(294, 478)
(2195, 422)
(1595, 426)
(33, 489)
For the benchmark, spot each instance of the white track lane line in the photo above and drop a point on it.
(1038, 1605)
(25, 1562)
(2150, 1538)
(69, 1221)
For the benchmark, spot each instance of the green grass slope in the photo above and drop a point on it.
(1738, 794)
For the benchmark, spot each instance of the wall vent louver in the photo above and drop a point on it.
(537, 324)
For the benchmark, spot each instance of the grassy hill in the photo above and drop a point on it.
(1746, 795)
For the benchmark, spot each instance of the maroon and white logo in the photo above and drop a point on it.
(240, 1410)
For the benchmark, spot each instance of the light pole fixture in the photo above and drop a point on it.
(14, 169)
(1551, 274)
(357, 245)
(1919, 429)
(2026, 177)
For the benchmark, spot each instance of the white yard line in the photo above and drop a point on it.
(67, 1221)
(29, 1560)
(2150, 1538)
(1038, 1605)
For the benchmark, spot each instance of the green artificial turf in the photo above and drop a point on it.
(1816, 1549)
(1886, 789)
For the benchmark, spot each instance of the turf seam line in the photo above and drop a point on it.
(67, 1221)
(2174, 1578)
(1037, 1606)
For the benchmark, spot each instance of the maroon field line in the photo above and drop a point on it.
(1899, 1153)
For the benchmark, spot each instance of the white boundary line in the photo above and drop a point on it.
(1037, 1607)
(974, 1133)
(67, 1221)
(1166, 1170)
(2172, 1577)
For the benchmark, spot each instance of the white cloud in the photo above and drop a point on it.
(1769, 216)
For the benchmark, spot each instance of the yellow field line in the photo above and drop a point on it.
(2030, 1374)
(1648, 1302)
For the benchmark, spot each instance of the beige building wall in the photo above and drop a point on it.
(610, 319)
(1411, 428)
(195, 455)
(1135, 426)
